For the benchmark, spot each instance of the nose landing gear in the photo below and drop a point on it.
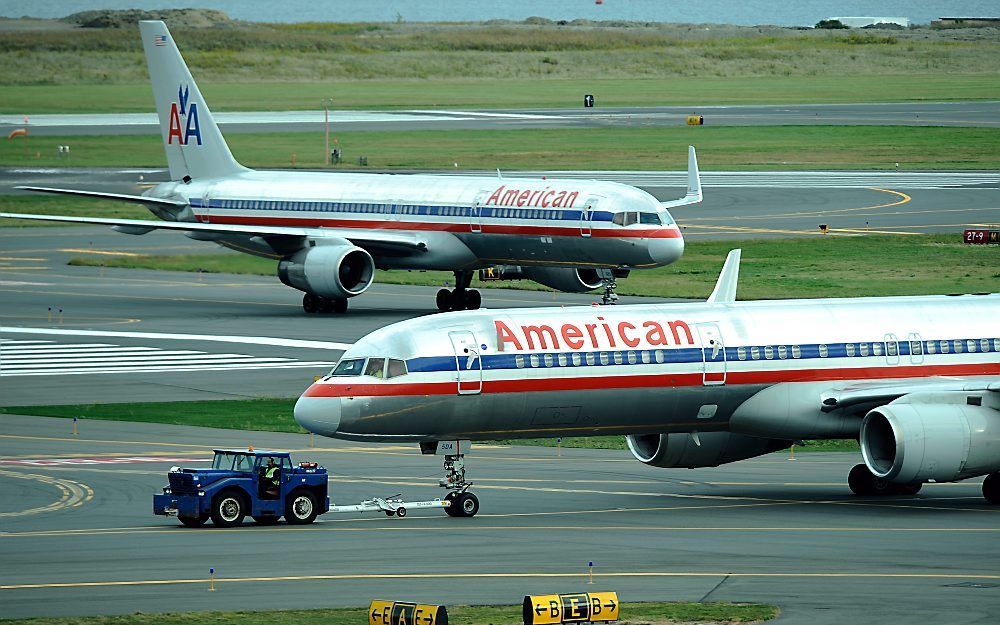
(610, 284)
(463, 503)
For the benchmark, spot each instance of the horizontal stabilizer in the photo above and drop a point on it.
(119, 197)
(694, 183)
(725, 287)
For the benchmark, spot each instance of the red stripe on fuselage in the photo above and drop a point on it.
(660, 380)
(486, 228)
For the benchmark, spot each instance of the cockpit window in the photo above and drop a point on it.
(352, 366)
(625, 219)
(375, 367)
(395, 368)
(650, 219)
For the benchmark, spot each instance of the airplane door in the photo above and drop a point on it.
(206, 204)
(469, 372)
(586, 215)
(713, 351)
(476, 213)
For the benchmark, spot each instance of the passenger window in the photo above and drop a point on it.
(590, 358)
(957, 343)
(796, 351)
(375, 367)
(651, 219)
(605, 359)
(824, 351)
(916, 348)
(632, 359)
(562, 360)
(769, 352)
(932, 347)
(646, 358)
(877, 349)
(864, 349)
(519, 361)
(849, 348)
(741, 353)
(618, 358)
(660, 356)
(396, 368)
(984, 345)
(576, 359)
(945, 347)
(533, 359)
(547, 358)
(755, 353)
(996, 345)
(970, 346)
(351, 366)
(782, 352)
(890, 348)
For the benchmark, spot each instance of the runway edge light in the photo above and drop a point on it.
(587, 607)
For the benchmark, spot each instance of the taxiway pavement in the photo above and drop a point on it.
(78, 536)
(985, 114)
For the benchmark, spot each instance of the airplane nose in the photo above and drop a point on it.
(666, 251)
(318, 414)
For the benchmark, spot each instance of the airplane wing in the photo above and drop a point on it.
(865, 393)
(693, 195)
(371, 240)
(119, 197)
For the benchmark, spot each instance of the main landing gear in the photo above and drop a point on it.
(864, 483)
(610, 284)
(463, 503)
(462, 298)
(315, 304)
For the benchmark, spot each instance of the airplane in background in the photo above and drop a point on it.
(917, 379)
(330, 231)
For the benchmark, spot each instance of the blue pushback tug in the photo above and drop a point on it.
(240, 484)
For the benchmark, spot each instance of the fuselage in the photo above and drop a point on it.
(635, 369)
(469, 222)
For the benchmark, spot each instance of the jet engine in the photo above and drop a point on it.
(692, 451)
(913, 441)
(565, 279)
(334, 271)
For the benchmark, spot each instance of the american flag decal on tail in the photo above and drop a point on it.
(160, 40)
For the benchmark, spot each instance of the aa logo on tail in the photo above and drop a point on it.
(180, 109)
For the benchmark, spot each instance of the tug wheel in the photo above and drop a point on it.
(228, 509)
(300, 508)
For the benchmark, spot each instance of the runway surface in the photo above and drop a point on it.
(78, 537)
(985, 114)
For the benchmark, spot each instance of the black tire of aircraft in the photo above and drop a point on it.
(459, 299)
(462, 504)
(864, 483)
(315, 304)
(991, 488)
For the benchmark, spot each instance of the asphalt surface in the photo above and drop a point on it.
(78, 536)
(985, 114)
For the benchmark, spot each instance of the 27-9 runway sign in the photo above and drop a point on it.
(402, 613)
(981, 236)
(584, 607)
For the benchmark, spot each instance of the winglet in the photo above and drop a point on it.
(693, 195)
(725, 288)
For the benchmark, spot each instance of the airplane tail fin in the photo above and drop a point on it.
(195, 147)
(693, 195)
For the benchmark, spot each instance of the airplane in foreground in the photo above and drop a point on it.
(917, 379)
(330, 231)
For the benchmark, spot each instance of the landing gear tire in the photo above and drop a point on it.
(269, 519)
(300, 508)
(443, 300)
(452, 510)
(457, 300)
(467, 505)
(228, 509)
(909, 489)
(310, 303)
(861, 481)
(473, 300)
(193, 521)
(991, 489)
(324, 305)
(340, 306)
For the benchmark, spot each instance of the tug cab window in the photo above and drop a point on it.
(375, 367)
(351, 366)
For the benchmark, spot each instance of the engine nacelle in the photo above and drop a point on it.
(565, 279)
(334, 270)
(907, 441)
(681, 450)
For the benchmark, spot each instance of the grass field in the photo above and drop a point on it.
(293, 66)
(829, 266)
(616, 148)
(275, 415)
(659, 613)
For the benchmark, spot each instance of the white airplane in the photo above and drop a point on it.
(690, 384)
(330, 231)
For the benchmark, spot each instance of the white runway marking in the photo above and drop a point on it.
(36, 358)
(251, 340)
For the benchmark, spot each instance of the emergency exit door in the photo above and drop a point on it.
(713, 351)
(469, 365)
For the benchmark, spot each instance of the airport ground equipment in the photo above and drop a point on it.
(393, 506)
(237, 486)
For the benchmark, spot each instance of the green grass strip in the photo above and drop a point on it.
(616, 148)
(679, 612)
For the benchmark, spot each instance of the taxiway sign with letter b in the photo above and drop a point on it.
(588, 607)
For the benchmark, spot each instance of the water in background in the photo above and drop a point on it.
(744, 12)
